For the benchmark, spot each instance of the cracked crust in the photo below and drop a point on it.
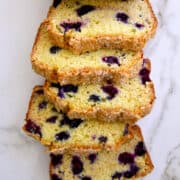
(81, 75)
(149, 165)
(120, 41)
(108, 114)
(75, 147)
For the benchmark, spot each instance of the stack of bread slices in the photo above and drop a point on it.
(97, 87)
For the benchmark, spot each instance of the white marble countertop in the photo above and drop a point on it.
(24, 159)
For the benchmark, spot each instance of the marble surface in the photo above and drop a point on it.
(24, 159)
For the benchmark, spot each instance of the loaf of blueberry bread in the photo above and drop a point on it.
(60, 65)
(128, 101)
(56, 130)
(131, 161)
(86, 25)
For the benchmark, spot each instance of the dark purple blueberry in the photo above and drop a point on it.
(70, 88)
(84, 10)
(54, 49)
(102, 139)
(56, 159)
(117, 175)
(92, 158)
(72, 25)
(94, 98)
(140, 149)
(126, 129)
(138, 25)
(86, 178)
(31, 127)
(56, 3)
(54, 109)
(122, 17)
(76, 165)
(56, 85)
(55, 177)
(72, 123)
(93, 137)
(110, 90)
(64, 135)
(43, 104)
(52, 119)
(40, 91)
(111, 60)
(132, 172)
(144, 74)
(126, 158)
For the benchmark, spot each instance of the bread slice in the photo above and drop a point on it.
(87, 25)
(128, 101)
(55, 130)
(131, 161)
(60, 65)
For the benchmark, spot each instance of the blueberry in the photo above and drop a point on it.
(140, 149)
(55, 177)
(92, 158)
(132, 172)
(54, 49)
(70, 88)
(102, 139)
(71, 25)
(111, 60)
(56, 159)
(56, 3)
(126, 129)
(138, 25)
(72, 123)
(43, 104)
(52, 119)
(122, 17)
(55, 85)
(64, 135)
(40, 91)
(64, 89)
(117, 175)
(84, 10)
(94, 98)
(110, 90)
(144, 74)
(54, 109)
(86, 178)
(31, 127)
(77, 165)
(126, 158)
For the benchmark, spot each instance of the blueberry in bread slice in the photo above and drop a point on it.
(126, 102)
(60, 65)
(86, 25)
(131, 161)
(55, 130)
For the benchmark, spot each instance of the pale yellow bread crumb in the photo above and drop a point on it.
(66, 67)
(100, 28)
(105, 164)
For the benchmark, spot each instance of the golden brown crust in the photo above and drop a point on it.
(86, 75)
(75, 147)
(135, 130)
(81, 45)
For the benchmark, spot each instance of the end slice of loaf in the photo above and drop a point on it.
(55, 130)
(131, 161)
(125, 102)
(87, 25)
(60, 65)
